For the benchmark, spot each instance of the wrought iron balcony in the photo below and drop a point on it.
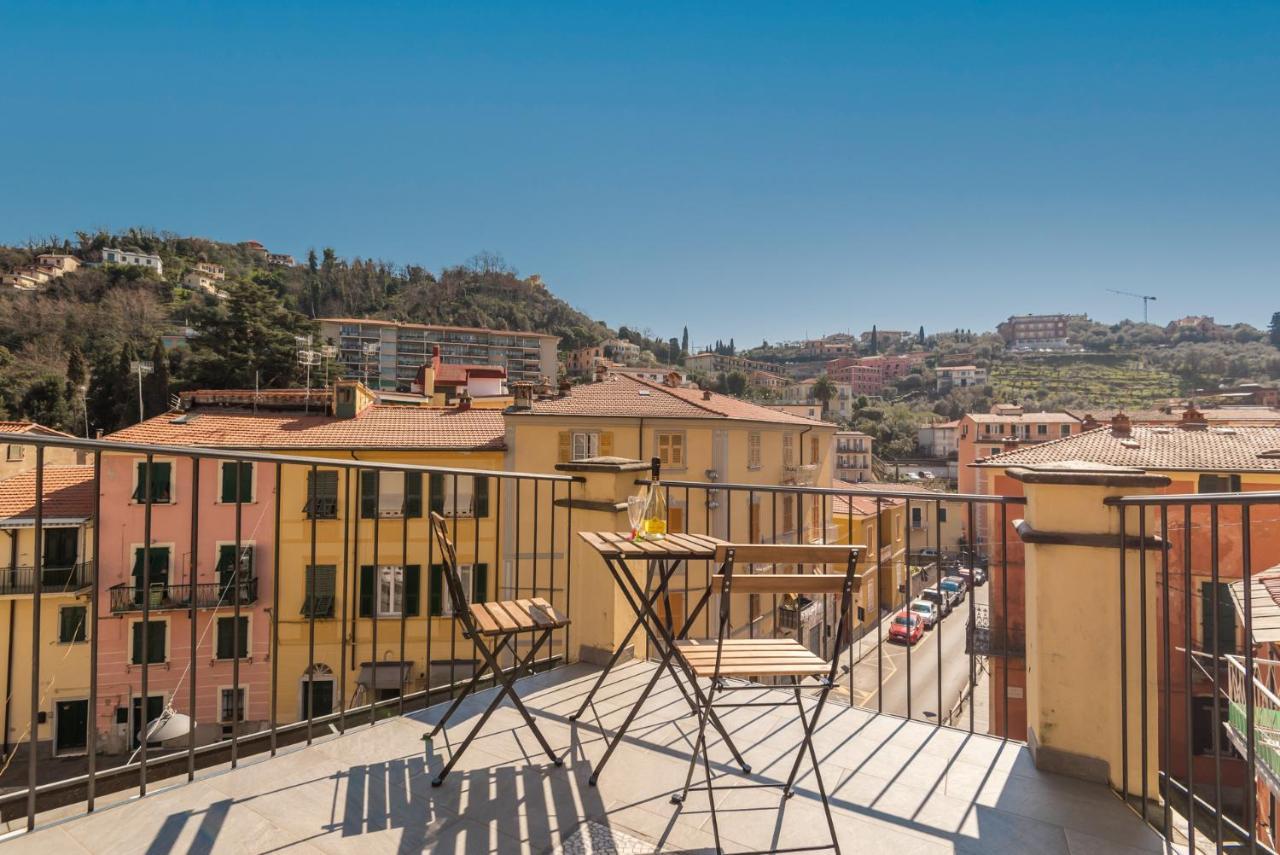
(163, 597)
(800, 613)
(1241, 692)
(983, 639)
(53, 580)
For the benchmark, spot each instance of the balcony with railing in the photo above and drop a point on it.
(903, 747)
(64, 579)
(165, 597)
(1250, 698)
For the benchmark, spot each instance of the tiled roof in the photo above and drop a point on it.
(1025, 418)
(378, 427)
(30, 427)
(1220, 449)
(1264, 591)
(68, 493)
(1233, 415)
(631, 397)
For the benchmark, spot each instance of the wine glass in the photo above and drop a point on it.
(635, 514)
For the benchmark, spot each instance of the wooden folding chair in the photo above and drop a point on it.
(497, 623)
(728, 662)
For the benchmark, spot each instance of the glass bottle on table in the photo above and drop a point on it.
(655, 509)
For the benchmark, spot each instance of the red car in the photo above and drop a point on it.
(906, 627)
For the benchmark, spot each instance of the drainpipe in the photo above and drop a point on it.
(8, 667)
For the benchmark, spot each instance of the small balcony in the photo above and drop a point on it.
(163, 597)
(53, 580)
(1241, 692)
(799, 614)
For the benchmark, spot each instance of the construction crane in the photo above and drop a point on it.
(1143, 297)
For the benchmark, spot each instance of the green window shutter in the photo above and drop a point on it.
(366, 590)
(136, 655)
(226, 560)
(412, 590)
(159, 564)
(224, 638)
(154, 649)
(137, 564)
(1226, 620)
(229, 470)
(435, 590)
(482, 497)
(436, 486)
(228, 492)
(413, 494)
(140, 491)
(368, 495)
(323, 581)
(479, 583)
(325, 492)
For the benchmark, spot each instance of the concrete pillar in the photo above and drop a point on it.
(1073, 613)
(598, 610)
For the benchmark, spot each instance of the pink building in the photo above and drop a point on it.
(868, 375)
(173, 585)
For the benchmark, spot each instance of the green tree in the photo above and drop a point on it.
(875, 340)
(251, 336)
(684, 342)
(920, 336)
(77, 386)
(155, 386)
(1275, 329)
(45, 401)
(735, 383)
(823, 391)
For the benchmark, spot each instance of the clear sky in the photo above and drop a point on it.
(752, 170)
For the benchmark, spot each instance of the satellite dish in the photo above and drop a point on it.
(170, 725)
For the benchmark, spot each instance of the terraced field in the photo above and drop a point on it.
(1089, 383)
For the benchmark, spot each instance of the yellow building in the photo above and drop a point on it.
(65, 623)
(18, 457)
(698, 436)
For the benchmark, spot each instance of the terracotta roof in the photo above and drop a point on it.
(378, 427)
(1234, 415)
(1220, 449)
(68, 494)
(30, 427)
(1033, 418)
(1264, 591)
(631, 397)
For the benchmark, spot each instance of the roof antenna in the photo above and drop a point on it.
(256, 376)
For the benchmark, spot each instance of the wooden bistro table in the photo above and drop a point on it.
(664, 559)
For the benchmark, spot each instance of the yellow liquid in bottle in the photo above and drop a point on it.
(655, 528)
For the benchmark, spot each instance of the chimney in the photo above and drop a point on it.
(601, 372)
(523, 394)
(565, 387)
(1088, 422)
(464, 401)
(706, 394)
(1121, 425)
(1192, 419)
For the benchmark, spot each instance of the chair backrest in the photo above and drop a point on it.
(449, 558)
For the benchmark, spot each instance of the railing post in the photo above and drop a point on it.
(1083, 691)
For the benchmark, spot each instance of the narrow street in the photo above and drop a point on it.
(924, 681)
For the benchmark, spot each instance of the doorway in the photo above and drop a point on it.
(71, 726)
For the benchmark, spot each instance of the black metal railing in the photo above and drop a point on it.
(56, 579)
(164, 597)
(1191, 634)
(355, 588)
(879, 671)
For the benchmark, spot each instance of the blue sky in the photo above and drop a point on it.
(752, 170)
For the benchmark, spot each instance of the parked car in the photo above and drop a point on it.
(906, 628)
(927, 612)
(953, 587)
(928, 552)
(978, 576)
(938, 598)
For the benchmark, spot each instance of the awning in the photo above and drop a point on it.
(49, 522)
(387, 675)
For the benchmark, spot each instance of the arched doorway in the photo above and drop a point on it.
(318, 682)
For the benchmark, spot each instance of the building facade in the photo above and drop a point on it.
(1035, 332)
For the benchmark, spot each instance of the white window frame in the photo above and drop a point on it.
(244, 705)
(173, 480)
(674, 438)
(168, 643)
(253, 483)
(466, 497)
(467, 576)
(590, 441)
(754, 442)
(391, 501)
(395, 590)
(248, 635)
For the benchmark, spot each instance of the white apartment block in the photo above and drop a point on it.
(960, 377)
(139, 259)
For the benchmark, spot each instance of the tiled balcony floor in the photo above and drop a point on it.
(896, 786)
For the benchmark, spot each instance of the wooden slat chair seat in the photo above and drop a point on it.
(498, 623)
(723, 657)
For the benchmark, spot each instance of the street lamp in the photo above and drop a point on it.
(141, 367)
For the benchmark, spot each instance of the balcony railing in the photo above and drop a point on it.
(162, 597)
(53, 580)
(1241, 693)
(983, 639)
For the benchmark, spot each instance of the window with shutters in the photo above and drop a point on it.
(232, 640)
(1064, 430)
(788, 449)
(390, 494)
(586, 444)
(71, 624)
(235, 477)
(226, 566)
(753, 450)
(813, 449)
(387, 588)
(1218, 484)
(389, 593)
(942, 514)
(671, 449)
(322, 495)
(474, 579)
(231, 704)
(788, 518)
(319, 591)
(161, 482)
(14, 452)
(156, 648)
(1221, 628)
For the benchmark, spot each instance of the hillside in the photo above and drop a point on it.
(1082, 381)
(65, 350)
